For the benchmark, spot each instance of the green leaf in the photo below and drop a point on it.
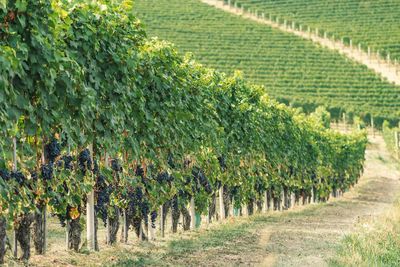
(21, 5)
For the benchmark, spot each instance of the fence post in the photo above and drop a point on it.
(284, 24)
(316, 32)
(372, 125)
(344, 121)
(388, 59)
(325, 36)
(192, 214)
(293, 25)
(300, 28)
(90, 215)
(270, 17)
(221, 202)
(263, 16)
(359, 48)
(396, 144)
(108, 229)
(395, 65)
(15, 167)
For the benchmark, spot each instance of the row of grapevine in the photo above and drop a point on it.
(96, 119)
(391, 137)
(374, 23)
(293, 70)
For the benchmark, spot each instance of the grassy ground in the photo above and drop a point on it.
(344, 231)
(376, 242)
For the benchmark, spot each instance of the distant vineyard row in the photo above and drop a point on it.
(373, 23)
(293, 70)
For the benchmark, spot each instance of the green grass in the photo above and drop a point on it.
(291, 68)
(375, 243)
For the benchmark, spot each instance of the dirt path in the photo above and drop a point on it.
(372, 61)
(308, 236)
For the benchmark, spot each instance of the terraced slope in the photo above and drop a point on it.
(374, 23)
(292, 69)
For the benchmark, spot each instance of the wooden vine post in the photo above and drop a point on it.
(192, 213)
(162, 221)
(15, 244)
(67, 226)
(372, 125)
(396, 144)
(108, 229)
(90, 233)
(265, 203)
(150, 229)
(221, 202)
(44, 213)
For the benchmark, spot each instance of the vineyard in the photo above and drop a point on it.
(293, 70)
(101, 125)
(373, 24)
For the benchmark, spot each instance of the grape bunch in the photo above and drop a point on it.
(19, 177)
(34, 176)
(153, 217)
(84, 161)
(221, 161)
(199, 178)
(139, 171)
(52, 150)
(68, 165)
(103, 192)
(171, 162)
(5, 175)
(260, 183)
(116, 168)
(47, 172)
(95, 169)
(161, 177)
(64, 140)
(234, 190)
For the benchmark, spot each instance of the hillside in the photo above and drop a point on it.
(293, 70)
(373, 23)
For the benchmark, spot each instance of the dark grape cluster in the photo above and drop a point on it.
(52, 150)
(175, 203)
(84, 161)
(95, 169)
(5, 175)
(199, 178)
(139, 171)
(260, 183)
(164, 177)
(153, 217)
(19, 177)
(217, 184)
(47, 172)
(234, 190)
(34, 176)
(221, 161)
(64, 140)
(68, 165)
(116, 168)
(103, 192)
(171, 162)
